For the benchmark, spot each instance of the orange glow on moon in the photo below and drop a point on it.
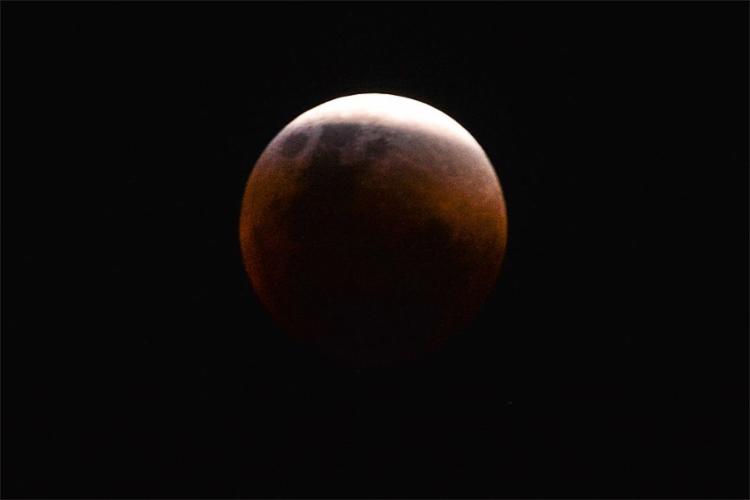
(373, 227)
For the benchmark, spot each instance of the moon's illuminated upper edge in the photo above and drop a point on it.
(386, 109)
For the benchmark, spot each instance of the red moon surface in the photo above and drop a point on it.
(372, 228)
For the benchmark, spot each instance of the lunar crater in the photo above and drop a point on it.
(294, 144)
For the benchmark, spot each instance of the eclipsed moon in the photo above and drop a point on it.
(373, 227)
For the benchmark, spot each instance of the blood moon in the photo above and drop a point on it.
(372, 227)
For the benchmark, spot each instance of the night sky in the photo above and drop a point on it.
(611, 360)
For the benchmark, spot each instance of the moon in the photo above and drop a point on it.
(372, 228)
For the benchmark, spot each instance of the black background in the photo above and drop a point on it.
(611, 360)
